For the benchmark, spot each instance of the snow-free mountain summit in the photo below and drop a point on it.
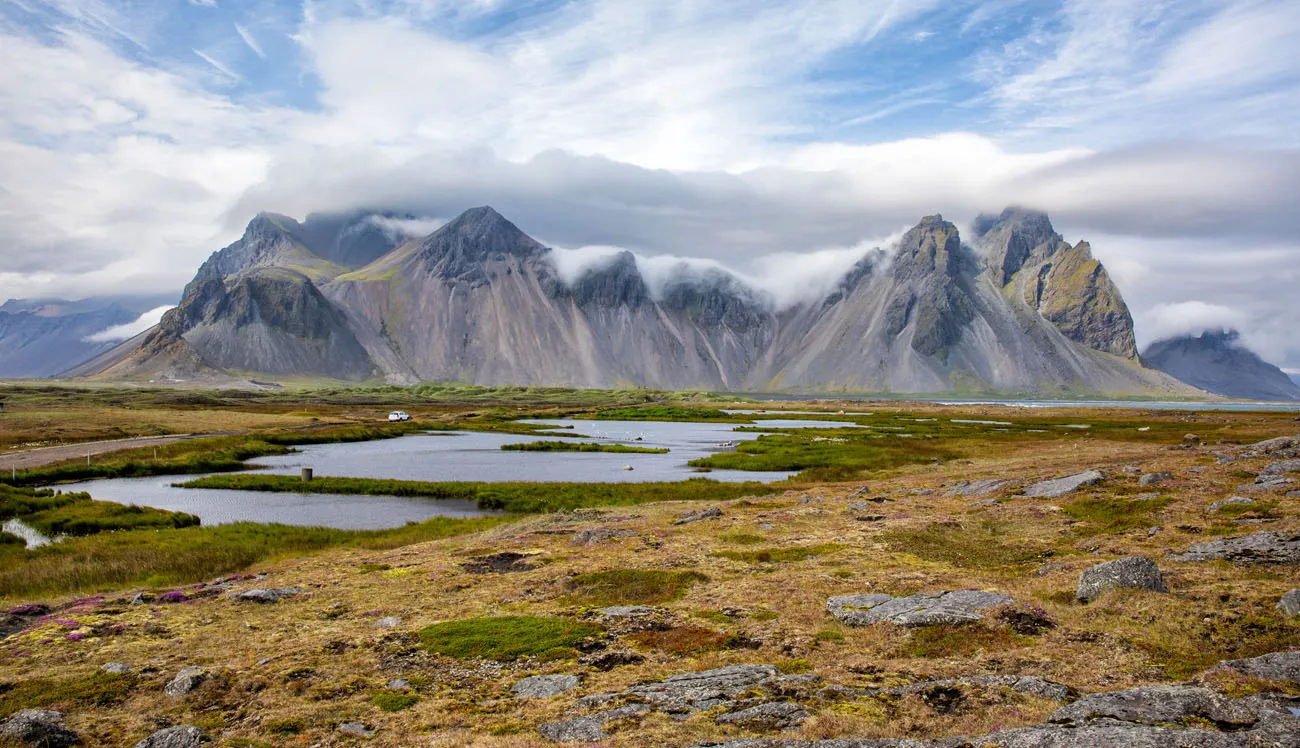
(1016, 310)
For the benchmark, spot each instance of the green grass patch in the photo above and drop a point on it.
(740, 538)
(74, 694)
(291, 726)
(828, 635)
(966, 546)
(668, 413)
(171, 557)
(957, 641)
(631, 586)
(506, 638)
(553, 446)
(394, 701)
(780, 555)
(1107, 516)
(828, 454)
(53, 513)
(518, 497)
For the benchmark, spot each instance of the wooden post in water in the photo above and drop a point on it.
(306, 475)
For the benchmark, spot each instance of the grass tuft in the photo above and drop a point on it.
(506, 638)
(632, 586)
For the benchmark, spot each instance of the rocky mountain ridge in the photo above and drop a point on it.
(1217, 362)
(480, 301)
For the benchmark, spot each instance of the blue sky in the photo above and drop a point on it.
(136, 137)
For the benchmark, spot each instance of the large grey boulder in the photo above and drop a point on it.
(1151, 479)
(1050, 489)
(588, 729)
(1290, 603)
(263, 596)
(1275, 666)
(188, 679)
(544, 686)
(1160, 705)
(978, 488)
(1260, 548)
(925, 609)
(182, 736)
(1027, 684)
(38, 728)
(687, 693)
(1133, 572)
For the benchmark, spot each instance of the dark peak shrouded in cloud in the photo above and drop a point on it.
(135, 140)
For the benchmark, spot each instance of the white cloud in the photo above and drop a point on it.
(250, 41)
(221, 67)
(408, 228)
(130, 329)
(1190, 318)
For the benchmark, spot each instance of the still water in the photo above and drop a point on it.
(457, 456)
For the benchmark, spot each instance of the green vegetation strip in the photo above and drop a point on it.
(780, 555)
(76, 514)
(506, 638)
(523, 498)
(549, 446)
(96, 690)
(157, 558)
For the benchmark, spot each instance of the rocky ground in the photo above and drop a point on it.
(942, 601)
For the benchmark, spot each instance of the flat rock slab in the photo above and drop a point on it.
(1231, 501)
(544, 686)
(926, 609)
(38, 727)
(695, 692)
(263, 596)
(1057, 736)
(1275, 666)
(1028, 684)
(1151, 479)
(979, 487)
(1279, 468)
(1133, 572)
(590, 728)
(182, 736)
(1260, 548)
(498, 563)
(1050, 489)
(773, 715)
(594, 535)
(689, 517)
(1161, 705)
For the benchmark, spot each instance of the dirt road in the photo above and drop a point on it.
(34, 458)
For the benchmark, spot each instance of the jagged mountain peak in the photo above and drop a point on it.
(932, 245)
(477, 235)
(1014, 238)
(615, 281)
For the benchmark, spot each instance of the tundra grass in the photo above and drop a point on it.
(76, 514)
(828, 454)
(97, 690)
(181, 556)
(1108, 516)
(981, 545)
(780, 555)
(522, 498)
(550, 446)
(506, 638)
(631, 586)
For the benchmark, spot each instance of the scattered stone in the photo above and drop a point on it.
(766, 526)
(398, 684)
(115, 668)
(1197, 469)
(140, 598)
(1151, 479)
(594, 535)
(356, 728)
(39, 728)
(696, 516)
(263, 596)
(188, 679)
(1272, 483)
(498, 563)
(1275, 666)
(388, 622)
(978, 488)
(1153, 530)
(1221, 503)
(774, 715)
(590, 728)
(626, 611)
(1191, 440)
(925, 609)
(544, 686)
(1050, 489)
(1134, 572)
(181, 736)
(610, 659)
(1046, 570)
(1290, 603)
(1260, 548)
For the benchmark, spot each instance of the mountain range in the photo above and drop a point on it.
(1215, 361)
(1014, 310)
(43, 337)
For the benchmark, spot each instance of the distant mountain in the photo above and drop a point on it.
(43, 337)
(1216, 361)
(480, 301)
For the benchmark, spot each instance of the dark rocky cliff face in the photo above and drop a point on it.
(616, 284)
(459, 249)
(1215, 361)
(930, 259)
(1063, 283)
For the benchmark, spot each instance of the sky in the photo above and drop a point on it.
(768, 136)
